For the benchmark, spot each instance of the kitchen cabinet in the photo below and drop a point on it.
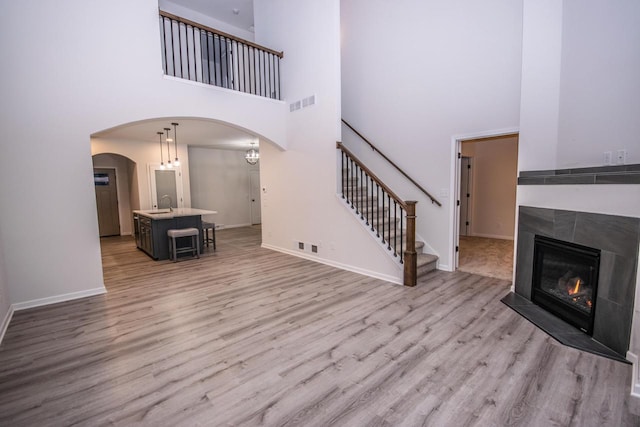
(151, 229)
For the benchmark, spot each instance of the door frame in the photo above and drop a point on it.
(466, 200)
(454, 185)
(116, 180)
(151, 173)
(252, 174)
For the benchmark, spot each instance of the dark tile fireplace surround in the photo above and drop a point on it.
(618, 239)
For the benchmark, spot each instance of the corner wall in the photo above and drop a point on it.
(299, 202)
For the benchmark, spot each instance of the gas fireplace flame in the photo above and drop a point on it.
(576, 288)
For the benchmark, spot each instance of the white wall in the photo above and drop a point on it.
(121, 166)
(198, 17)
(600, 82)
(220, 181)
(580, 85)
(541, 57)
(73, 73)
(416, 74)
(493, 192)
(300, 202)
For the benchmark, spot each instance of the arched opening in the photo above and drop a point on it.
(213, 173)
(117, 193)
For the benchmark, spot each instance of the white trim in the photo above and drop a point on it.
(225, 226)
(5, 323)
(635, 382)
(454, 184)
(492, 236)
(58, 298)
(335, 264)
(151, 176)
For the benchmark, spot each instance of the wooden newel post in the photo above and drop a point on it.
(410, 256)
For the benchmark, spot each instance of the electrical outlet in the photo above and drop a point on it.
(607, 158)
(621, 158)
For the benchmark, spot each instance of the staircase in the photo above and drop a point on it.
(390, 220)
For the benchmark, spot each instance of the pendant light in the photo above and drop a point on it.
(176, 163)
(169, 165)
(252, 156)
(161, 158)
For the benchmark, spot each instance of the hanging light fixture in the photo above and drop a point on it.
(252, 156)
(169, 165)
(161, 158)
(175, 141)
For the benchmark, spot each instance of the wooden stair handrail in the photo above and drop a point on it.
(221, 33)
(368, 171)
(374, 148)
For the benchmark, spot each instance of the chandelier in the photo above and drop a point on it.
(252, 155)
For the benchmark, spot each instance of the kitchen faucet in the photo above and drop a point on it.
(166, 196)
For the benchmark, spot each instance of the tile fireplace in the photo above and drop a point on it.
(576, 276)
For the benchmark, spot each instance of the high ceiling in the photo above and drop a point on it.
(196, 132)
(193, 132)
(238, 13)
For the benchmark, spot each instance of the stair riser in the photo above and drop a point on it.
(426, 269)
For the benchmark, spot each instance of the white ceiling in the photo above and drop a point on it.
(223, 10)
(192, 132)
(196, 132)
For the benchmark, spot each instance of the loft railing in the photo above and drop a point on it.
(196, 52)
(382, 210)
(374, 148)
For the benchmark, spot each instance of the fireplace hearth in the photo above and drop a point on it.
(565, 280)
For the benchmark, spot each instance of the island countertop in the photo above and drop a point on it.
(177, 212)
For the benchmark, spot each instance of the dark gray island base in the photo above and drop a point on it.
(150, 228)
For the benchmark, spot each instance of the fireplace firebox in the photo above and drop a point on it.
(565, 280)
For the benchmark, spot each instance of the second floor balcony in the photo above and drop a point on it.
(196, 52)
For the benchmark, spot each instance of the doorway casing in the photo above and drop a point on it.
(454, 184)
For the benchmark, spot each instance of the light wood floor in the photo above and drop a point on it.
(247, 336)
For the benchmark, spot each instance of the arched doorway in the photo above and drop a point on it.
(117, 193)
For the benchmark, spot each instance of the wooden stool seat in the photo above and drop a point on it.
(175, 234)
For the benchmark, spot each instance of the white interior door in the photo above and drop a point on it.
(256, 212)
(165, 185)
(465, 196)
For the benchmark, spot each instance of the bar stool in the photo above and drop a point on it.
(205, 232)
(174, 234)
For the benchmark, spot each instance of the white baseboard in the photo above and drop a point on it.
(635, 381)
(223, 226)
(492, 236)
(341, 266)
(5, 323)
(58, 298)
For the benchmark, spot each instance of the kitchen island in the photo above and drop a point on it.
(151, 226)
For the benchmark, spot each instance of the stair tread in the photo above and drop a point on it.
(423, 259)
